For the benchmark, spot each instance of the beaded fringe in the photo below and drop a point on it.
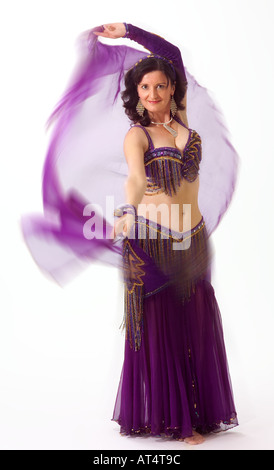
(184, 268)
(164, 174)
(166, 168)
(133, 295)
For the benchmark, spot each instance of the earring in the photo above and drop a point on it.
(140, 109)
(173, 106)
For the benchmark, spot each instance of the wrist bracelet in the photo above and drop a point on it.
(127, 30)
(125, 209)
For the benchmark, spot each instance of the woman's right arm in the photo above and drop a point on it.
(135, 144)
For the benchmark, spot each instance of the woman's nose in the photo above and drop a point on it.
(153, 93)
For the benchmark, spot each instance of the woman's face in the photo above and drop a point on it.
(155, 92)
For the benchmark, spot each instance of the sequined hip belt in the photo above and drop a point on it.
(155, 259)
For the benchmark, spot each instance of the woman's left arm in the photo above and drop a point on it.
(157, 45)
(183, 113)
(154, 43)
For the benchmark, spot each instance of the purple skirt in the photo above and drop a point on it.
(175, 375)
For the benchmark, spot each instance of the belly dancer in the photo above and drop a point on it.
(175, 377)
(122, 129)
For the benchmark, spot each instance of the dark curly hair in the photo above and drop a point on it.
(134, 76)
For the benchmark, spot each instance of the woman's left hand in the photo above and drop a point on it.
(112, 30)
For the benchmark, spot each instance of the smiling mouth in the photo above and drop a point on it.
(154, 101)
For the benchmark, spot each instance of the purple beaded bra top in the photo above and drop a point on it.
(165, 167)
(84, 177)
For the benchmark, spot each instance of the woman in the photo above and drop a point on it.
(175, 378)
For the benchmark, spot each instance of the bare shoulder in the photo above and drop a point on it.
(135, 132)
(136, 137)
(134, 147)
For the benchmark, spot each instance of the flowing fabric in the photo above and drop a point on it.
(85, 170)
(177, 379)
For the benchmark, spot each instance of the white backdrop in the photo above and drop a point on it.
(61, 350)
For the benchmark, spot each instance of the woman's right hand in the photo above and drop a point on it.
(112, 30)
(123, 225)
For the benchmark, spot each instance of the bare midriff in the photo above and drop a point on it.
(179, 212)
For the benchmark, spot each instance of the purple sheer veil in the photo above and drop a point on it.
(85, 170)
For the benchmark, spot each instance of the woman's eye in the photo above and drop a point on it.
(144, 87)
